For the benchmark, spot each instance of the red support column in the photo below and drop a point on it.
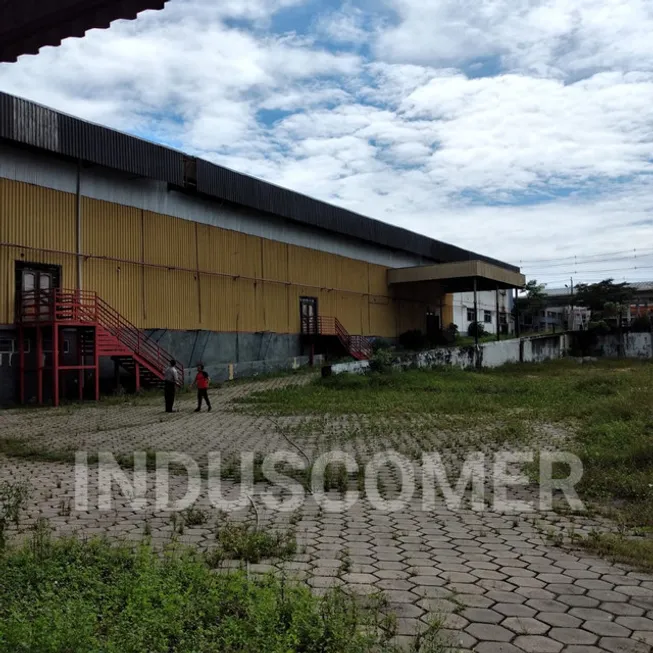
(39, 364)
(96, 359)
(80, 362)
(137, 370)
(55, 364)
(21, 362)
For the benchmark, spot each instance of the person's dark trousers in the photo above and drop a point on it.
(203, 394)
(169, 394)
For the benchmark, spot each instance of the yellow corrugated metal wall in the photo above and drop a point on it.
(165, 272)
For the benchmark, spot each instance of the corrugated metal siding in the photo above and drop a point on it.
(218, 306)
(81, 140)
(7, 284)
(169, 241)
(275, 260)
(170, 299)
(275, 306)
(84, 140)
(37, 217)
(118, 284)
(111, 230)
(383, 320)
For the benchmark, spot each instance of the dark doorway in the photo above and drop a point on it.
(432, 326)
(308, 315)
(34, 285)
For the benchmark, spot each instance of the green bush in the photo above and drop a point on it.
(413, 340)
(642, 324)
(65, 596)
(382, 361)
(381, 343)
(476, 328)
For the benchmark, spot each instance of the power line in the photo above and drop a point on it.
(634, 252)
(589, 263)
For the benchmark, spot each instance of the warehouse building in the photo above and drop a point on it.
(116, 253)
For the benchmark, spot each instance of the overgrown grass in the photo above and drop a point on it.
(605, 407)
(66, 595)
(620, 549)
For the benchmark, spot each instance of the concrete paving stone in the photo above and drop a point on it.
(388, 574)
(433, 581)
(525, 625)
(623, 645)
(457, 640)
(574, 600)
(399, 596)
(622, 609)
(547, 605)
(516, 572)
(583, 649)
(488, 574)
(582, 573)
(534, 593)
(453, 621)
(607, 596)
(559, 619)
(466, 588)
(555, 578)
(353, 578)
(489, 632)
(537, 644)
(573, 636)
(497, 647)
(636, 623)
(619, 579)
(519, 581)
(482, 615)
(590, 614)
(395, 585)
(562, 588)
(505, 597)
(424, 571)
(431, 592)
(474, 600)
(593, 584)
(645, 636)
(439, 606)
(606, 628)
(500, 585)
(412, 610)
(408, 626)
(514, 610)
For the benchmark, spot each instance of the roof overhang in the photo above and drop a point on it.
(461, 276)
(26, 27)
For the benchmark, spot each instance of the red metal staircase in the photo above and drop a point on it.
(101, 332)
(359, 347)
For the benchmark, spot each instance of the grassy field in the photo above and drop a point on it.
(603, 409)
(65, 595)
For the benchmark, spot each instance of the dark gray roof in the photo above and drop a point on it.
(28, 25)
(29, 124)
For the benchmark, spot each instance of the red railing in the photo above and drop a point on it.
(85, 307)
(357, 346)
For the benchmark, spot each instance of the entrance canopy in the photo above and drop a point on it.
(462, 276)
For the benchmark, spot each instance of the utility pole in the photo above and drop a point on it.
(573, 321)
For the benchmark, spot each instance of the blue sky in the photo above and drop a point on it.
(522, 129)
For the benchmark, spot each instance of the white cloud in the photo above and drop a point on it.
(551, 157)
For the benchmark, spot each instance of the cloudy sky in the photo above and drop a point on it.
(522, 129)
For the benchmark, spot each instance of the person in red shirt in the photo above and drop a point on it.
(202, 384)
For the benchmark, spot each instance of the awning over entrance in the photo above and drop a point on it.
(463, 276)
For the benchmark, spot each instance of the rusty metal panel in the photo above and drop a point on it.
(171, 300)
(111, 230)
(169, 241)
(37, 217)
(118, 284)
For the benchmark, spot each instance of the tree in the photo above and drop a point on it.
(531, 301)
(606, 300)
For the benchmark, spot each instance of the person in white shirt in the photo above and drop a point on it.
(170, 379)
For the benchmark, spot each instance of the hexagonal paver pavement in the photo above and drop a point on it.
(493, 580)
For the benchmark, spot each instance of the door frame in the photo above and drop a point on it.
(21, 266)
(310, 301)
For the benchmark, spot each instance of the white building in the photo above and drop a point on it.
(463, 310)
